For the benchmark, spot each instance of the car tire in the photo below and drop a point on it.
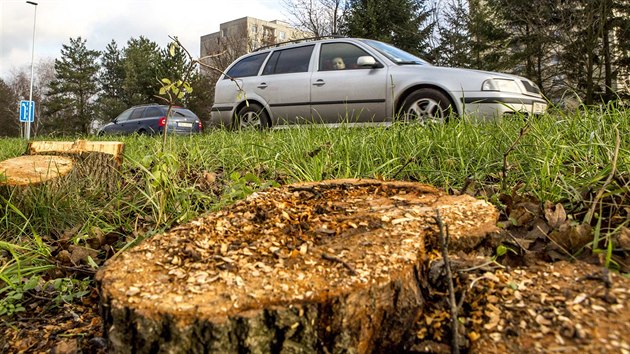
(426, 105)
(251, 116)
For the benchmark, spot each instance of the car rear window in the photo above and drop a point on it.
(248, 66)
(293, 60)
(183, 112)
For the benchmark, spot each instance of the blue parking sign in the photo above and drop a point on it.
(27, 111)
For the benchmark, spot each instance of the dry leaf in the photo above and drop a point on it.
(572, 237)
(555, 216)
(525, 212)
(623, 239)
(210, 177)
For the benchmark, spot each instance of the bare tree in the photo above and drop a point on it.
(320, 17)
(19, 83)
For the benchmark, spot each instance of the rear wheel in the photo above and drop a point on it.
(426, 105)
(251, 116)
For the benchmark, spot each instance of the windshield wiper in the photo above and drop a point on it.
(408, 62)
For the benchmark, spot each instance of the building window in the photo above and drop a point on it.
(268, 32)
(224, 32)
(282, 35)
(254, 29)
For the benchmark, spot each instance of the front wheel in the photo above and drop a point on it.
(426, 105)
(252, 116)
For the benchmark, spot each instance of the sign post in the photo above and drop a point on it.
(27, 114)
(30, 96)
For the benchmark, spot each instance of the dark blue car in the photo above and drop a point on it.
(151, 119)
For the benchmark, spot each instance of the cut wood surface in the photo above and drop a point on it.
(328, 267)
(25, 170)
(114, 148)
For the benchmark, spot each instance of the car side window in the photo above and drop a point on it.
(248, 66)
(124, 115)
(153, 112)
(293, 60)
(340, 56)
(137, 113)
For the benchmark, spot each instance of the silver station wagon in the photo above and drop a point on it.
(359, 81)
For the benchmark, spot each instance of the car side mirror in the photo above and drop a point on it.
(368, 61)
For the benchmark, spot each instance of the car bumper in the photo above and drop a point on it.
(492, 107)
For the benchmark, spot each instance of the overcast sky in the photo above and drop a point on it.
(100, 21)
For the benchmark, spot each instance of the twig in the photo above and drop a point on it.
(482, 265)
(409, 160)
(199, 61)
(332, 258)
(444, 239)
(600, 193)
(525, 250)
(521, 134)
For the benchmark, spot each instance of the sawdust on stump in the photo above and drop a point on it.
(313, 267)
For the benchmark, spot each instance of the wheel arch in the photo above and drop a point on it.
(250, 102)
(409, 90)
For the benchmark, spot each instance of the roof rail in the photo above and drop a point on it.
(300, 40)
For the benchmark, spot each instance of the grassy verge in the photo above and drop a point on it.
(561, 158)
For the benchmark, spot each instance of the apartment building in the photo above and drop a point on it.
(241, 36)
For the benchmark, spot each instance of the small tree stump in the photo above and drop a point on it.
(326, 267)
(25, 170)
(89, 165)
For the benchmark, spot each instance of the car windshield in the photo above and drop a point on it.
(394, 54)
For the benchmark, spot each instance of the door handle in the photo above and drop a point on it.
(319, 82)
(262, 85)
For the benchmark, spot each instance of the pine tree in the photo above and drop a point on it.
(489, 39)
(617, 33)
(531, 28)
(9, 120)
(111, 80)
(455, 43)
(406, 24)
(71, 97)
(141, 62)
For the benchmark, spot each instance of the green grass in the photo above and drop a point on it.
(559, 158)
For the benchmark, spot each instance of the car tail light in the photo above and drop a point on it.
(162, 121)
(200, 126)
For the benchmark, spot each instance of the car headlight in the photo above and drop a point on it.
(504, 85)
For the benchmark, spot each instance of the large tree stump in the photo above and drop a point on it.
(327, 267)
